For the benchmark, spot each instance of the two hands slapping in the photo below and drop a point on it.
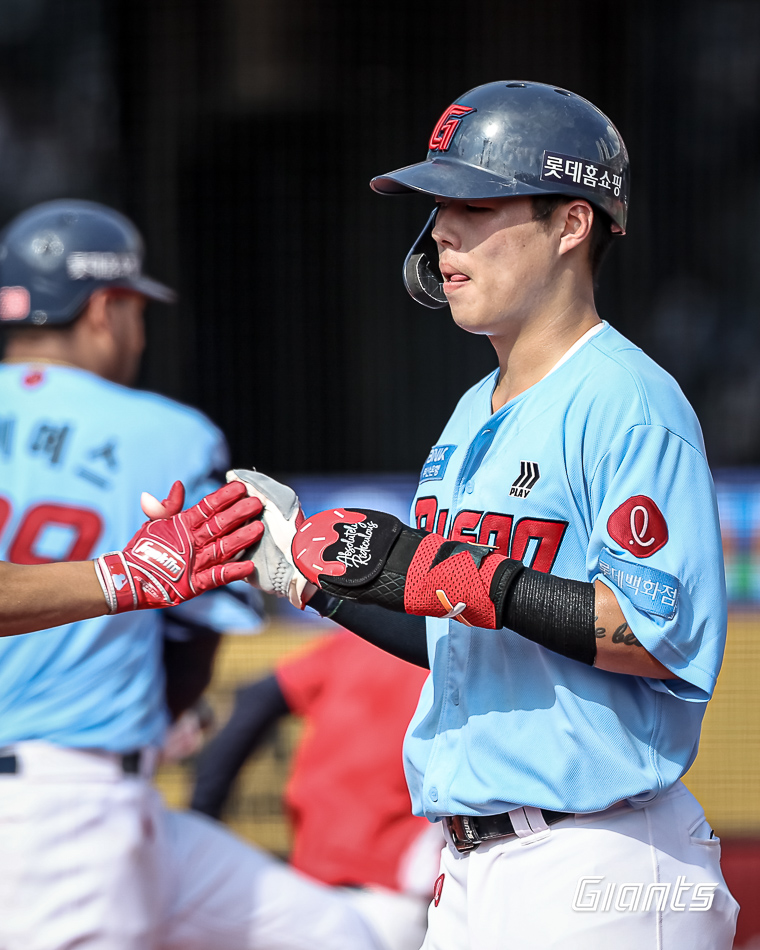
(370, 557)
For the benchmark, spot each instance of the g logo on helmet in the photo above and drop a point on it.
(447, 126)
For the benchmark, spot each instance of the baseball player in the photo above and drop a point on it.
(348, 769)
(41, 595)
(566, 554)
(90, 856)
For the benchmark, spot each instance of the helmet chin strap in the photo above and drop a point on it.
(422, 278)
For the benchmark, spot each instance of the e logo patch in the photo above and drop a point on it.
(638, 526)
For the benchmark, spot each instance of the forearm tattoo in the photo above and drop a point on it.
(619, 635)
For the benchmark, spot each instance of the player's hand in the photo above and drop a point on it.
(183, 553)
(373, 558)
(276, 572)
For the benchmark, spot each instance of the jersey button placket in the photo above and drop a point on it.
(452, 713)
(475, 454)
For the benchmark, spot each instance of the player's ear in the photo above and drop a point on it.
(95, 314)
(576, 226)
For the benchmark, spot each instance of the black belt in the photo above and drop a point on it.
(468, 831)
(130, 764)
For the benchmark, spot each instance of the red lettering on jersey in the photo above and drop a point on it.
(495, 529)
(638, 526)
(438, 890)
(447, 126)
(86, 523)
(465, 526)
(428, 517)
(549, 535)
(5, 510)
(424, 513)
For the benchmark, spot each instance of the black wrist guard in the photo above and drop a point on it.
(555, 612)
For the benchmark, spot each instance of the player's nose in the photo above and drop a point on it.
(444, 231)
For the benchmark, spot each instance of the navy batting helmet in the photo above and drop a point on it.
(55, 255)
(512, 138)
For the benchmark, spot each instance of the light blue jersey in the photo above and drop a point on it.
(598, 471)
(76, 451)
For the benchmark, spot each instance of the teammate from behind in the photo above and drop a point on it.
(90, 856)
(566, 554)
(347, 768)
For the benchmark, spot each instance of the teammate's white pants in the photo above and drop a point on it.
(581, 885)
(91, 859)
(399, 918)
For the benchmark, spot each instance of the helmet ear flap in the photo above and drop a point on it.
(422, 278)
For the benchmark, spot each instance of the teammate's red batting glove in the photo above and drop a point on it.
(275, 571)
(183, 553)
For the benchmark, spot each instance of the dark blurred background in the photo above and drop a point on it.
(241, 135)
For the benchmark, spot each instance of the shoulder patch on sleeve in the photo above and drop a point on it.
(638, 526)
(649, 590)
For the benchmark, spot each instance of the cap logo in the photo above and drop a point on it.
(15, 303)
(101, 265)
(447, 125)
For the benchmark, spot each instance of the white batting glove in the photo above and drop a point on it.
(275, 571)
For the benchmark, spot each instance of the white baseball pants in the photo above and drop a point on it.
(627, 878)
(399, 918)
(91, 859)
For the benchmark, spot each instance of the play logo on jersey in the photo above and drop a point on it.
(154, 554)
(437, 462)
(638, 526)
(529, 475)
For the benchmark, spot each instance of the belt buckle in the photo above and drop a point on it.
(130, 763)
(463, 835)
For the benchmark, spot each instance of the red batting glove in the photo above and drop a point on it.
(172, 559)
